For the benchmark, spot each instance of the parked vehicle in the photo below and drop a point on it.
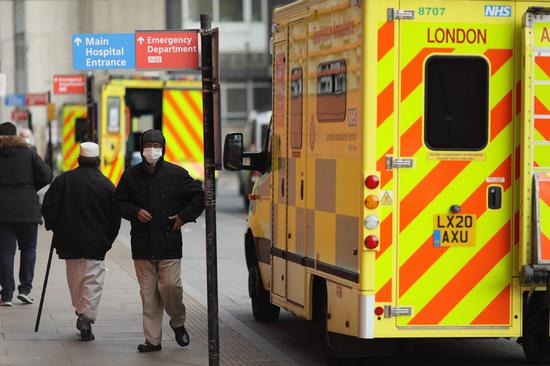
(405, 187)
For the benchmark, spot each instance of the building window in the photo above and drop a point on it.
(231, 10)
(198, 7)
(331, 91)
(236, 100)
(262, 98)
(256, 10)
(296, 102)
(457, 103)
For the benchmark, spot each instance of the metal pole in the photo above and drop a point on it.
(48, 266)
(49, 149)
(90, 111)
(210, 191)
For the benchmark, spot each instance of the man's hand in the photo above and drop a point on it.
(178, 222)
(144, 216)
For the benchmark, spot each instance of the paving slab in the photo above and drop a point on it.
(118, 328)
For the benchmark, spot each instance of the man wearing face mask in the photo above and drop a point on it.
(158, 198)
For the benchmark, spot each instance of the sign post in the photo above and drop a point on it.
(170, 50)
(208, 86)
(91, 108)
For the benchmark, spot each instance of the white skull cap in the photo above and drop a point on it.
(89, 150)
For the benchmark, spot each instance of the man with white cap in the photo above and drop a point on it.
(78, 209)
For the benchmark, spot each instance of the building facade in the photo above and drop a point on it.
(35, 45)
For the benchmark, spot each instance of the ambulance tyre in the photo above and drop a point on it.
(262, 308)
(330, 341)
(535, 340)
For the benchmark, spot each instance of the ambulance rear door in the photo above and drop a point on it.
(454, 171)
(182, 128)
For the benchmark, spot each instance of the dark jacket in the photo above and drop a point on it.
(22, 173)
(167, 191)
(78, 207)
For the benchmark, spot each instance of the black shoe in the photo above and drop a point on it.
(25, 298)
(84, 325)
(148, 347)
(182, 337)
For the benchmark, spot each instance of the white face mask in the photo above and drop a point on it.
(152, 154)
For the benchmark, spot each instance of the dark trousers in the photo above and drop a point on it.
(11, 236)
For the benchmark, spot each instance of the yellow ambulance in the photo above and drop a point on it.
(130, 106)
(405, 187)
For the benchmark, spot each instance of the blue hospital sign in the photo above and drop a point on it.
(104, 51)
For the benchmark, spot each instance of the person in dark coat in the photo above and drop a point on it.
(158, 198)
(78, 208)
(23, 173)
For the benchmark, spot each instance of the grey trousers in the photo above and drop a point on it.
(85, 278)
(160, 289)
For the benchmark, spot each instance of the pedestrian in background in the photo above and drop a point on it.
(158, 198)
(78, 209)
(22, 174)
(26, 134)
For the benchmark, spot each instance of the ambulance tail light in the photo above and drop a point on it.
(372, 181)
(371, 242)
(372, 201)
(372, 222)
(379, 311)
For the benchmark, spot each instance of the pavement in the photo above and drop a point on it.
(118, 328)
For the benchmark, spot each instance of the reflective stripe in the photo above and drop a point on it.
(182, 128)
(385, 134)
(69, 147)
(366, 316)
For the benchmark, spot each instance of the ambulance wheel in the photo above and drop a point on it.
(535, 340)
(262, 308)
(330, 341)
(536, 350)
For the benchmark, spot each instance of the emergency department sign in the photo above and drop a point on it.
(167, 50)
(103, 51)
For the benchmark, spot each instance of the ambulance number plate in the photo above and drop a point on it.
(454, 230)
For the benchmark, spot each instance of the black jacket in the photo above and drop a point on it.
(78, 207)
(22, 173)
(167, 191)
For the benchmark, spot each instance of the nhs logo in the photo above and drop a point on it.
(498, 11)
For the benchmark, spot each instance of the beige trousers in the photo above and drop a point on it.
(160, 289)
(85, 278)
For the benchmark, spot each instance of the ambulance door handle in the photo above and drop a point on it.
(494, 197)
(302, 189)
(455, 209)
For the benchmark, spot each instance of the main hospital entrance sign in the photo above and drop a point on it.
(141, 50)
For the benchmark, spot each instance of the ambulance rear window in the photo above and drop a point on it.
(456, 103)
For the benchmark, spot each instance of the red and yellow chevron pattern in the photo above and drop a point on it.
(449, 286)
(69, 146)
(113, 162)
(182, 128)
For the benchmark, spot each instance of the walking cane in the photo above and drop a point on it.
(44, 290)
